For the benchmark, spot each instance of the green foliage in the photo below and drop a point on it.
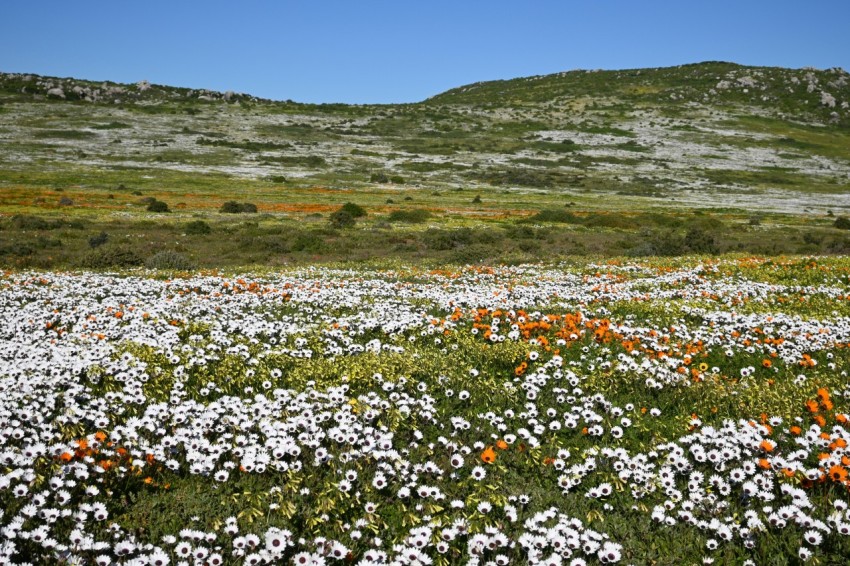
(342, 219)
(98, 240)
(411, 216)
(233, 207)
(439, 239)
(168, 259)
(111, 257)
(157, 206)
(842, 223)
(197, 228)
(355, 210)
(556, 215)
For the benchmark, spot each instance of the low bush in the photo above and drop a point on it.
(342, 219)
(556, 215)
(169, 259)
(106, 257)
(410, 216)
(355, 210)
(197, 227)
(98, 240)
(233, 207)
(842, 223)
(157, 206)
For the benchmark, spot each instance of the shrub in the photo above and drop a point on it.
(355, 210)
(411, 216)
(233, 207)
(556, 215)
(65, 201)
(342, 219)
(475, 253)
(437, 239)
(379, 178)
(98, 240)
(311, 242)
(477, 199)
(397, 180)
(26, 222)
(16, 248)
(157, 206)
(169, 259)
(110, 257)
(197, 227)
(701, 242)
(842, 223)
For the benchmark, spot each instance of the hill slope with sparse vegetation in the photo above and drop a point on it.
(716, 137)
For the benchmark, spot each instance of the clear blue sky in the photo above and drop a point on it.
(399, 51)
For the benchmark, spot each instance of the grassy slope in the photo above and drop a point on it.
(630, 152)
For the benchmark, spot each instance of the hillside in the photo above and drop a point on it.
(704, 133)
(717, 137)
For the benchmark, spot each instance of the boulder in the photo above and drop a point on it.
(827, 99)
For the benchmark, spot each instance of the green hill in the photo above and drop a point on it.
(727, 138)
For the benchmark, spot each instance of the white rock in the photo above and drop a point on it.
(827, 99)
(58, 92)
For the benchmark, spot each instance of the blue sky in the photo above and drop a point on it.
(399, 51)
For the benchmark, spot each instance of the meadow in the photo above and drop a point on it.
(590, 317)
(655, 411)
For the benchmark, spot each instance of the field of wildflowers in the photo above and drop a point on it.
(684, 412)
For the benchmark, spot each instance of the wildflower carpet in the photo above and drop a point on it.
(683, 412)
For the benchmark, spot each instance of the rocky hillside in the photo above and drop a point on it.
(708, 134)
(802, 94)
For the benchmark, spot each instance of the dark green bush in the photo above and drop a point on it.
(311, 242)
(379, 178)
(17, 249)
(197, 227)
(355, 210)
(98, 240)
(842, 223)
(475, 253)
(397, 180)
(438, 239)
(341, 219)
(157, 206)
(233, 207)
(556, 215)
(27, 222)
(169, 259)
(106, 257)
(700, 241)
(412, 216)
